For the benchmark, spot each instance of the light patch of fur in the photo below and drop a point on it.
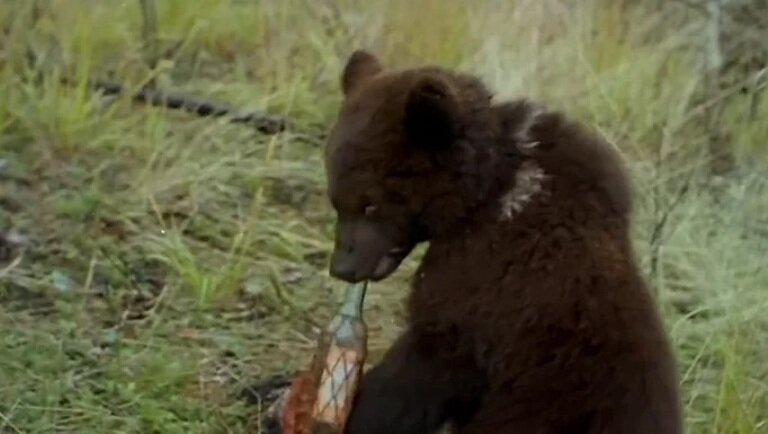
(524, 141)
(528, 183)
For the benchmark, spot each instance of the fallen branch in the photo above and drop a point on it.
(263, 123)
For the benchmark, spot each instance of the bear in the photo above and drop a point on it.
(528, 312)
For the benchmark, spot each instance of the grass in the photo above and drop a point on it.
(154, 264)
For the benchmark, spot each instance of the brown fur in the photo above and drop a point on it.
(535, 322)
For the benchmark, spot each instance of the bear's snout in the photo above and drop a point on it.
(344, 266)
(364, 251)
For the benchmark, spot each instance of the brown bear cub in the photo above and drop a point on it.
(528, 313)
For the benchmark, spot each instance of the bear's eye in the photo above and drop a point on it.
(370, 210)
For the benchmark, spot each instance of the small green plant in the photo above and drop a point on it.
(207, 283)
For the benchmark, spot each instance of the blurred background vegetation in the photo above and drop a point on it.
(155, 264)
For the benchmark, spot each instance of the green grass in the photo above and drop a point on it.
(169, 262)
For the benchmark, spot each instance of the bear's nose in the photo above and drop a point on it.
(345, 267)
(343, 272)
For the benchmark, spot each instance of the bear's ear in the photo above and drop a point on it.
(360, 66)
(431, 113)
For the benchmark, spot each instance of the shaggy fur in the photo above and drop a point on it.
(528, 314)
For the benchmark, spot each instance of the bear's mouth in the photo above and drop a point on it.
(389, 263)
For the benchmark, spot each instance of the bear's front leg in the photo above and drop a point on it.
(421, 384)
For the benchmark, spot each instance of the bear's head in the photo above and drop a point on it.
(408, 160)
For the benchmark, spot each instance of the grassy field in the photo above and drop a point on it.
(153, 264)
